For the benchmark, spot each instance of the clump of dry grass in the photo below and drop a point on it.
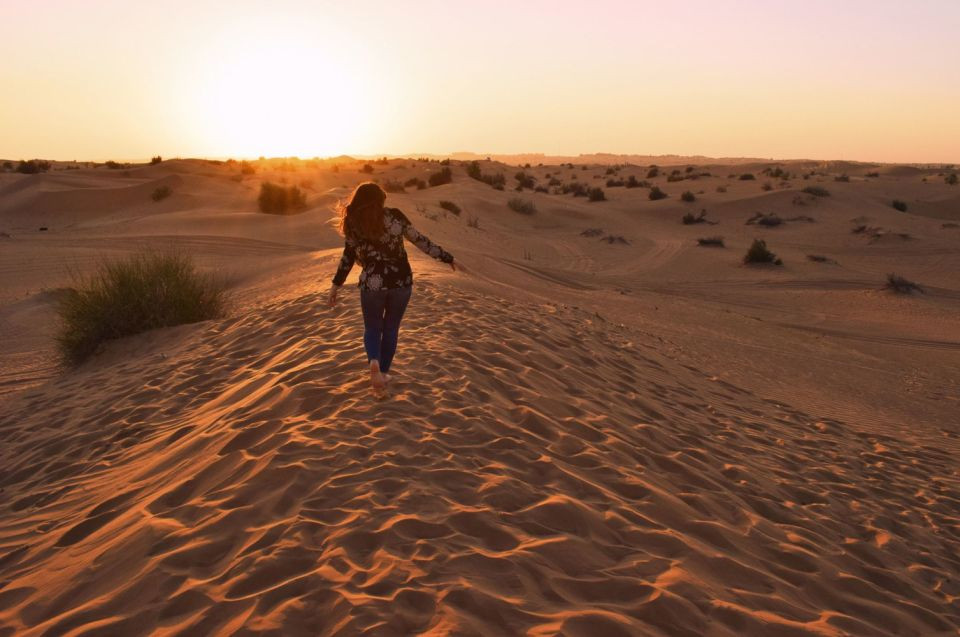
(900, 285)
(125, 297)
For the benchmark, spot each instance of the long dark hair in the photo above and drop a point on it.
(363, 215)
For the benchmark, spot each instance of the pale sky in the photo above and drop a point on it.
(875, 80)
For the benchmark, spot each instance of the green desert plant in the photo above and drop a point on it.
(280, 200)
(759, 253)
(125, 297)
(450, 206)
(522, 206)
(161, 193)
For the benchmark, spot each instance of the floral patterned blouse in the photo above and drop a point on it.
(384, 260)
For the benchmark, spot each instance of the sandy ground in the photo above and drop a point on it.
(583, 437)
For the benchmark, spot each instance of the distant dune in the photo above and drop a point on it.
(602, 428)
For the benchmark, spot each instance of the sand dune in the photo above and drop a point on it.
(582, 438)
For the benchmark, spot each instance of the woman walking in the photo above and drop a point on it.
(373, 235)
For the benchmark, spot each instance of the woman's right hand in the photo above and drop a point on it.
(332, 298)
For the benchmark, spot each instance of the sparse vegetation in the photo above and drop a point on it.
(441, 177)
(161, 193)
(688, 196)
(711, 242)
(522, 206)
(761, 219)
(367, 168)
(115, 165)
(759, 253)
(473, 222)
(497, 181)
(767, 186)
(596, 194)
(414, 182)
(247, 168)
(126, 297)
(280, 200)
(633, 182)
(156, 160)
(721, 188)
(525, 181)
(656, 193)
(951, 179)
(842, 178)
(653, 172)
(33, 166)
(451, 207)
(899, 205)
(900, 285)
(816, 191)
(613, 239)
(747, 177)
(690, 219)
(591, 232)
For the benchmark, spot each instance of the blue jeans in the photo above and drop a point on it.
(382, 311)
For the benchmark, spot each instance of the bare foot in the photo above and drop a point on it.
(386, 378)
(376, 378)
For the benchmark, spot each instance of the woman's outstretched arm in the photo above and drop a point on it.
(346, 261)
(422, 242)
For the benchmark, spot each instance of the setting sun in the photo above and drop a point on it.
(267, 89)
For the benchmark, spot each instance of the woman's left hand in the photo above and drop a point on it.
(332, 298)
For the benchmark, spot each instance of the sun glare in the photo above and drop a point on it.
(276, 92)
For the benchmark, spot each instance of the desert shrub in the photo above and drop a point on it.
(524, 180)
(7, 166)
(899, 205)
(721, 188)
(615, 183)
(125, 297)
(115, 165)
(393, 185)
(873, 174)
(901, 285)
(450, 206)
(156, 160)
(767, 186)
(819, 258)
(612, 239)
(473, 222)
(632, 182)
(33, 166)
(591, 232)
(951, 179)
(653, 172)
(246, 168)
(656, 193)
(279, 200)
(816, 191)
(443, 176)
(675, 176)
(367, 168)
(747, 177)
(596, 194)
(758, 253)
(688, 196)
(950, 225)
(578, 189)
(842, 178)
(711, 242)
(522, 206)
(161, 193)
(554, 182)
(760, 219)
(689, 219)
